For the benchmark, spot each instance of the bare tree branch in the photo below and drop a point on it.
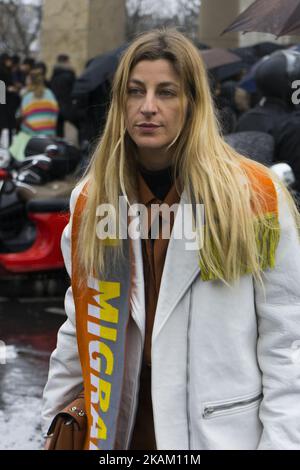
(185, 17)
(19, 25)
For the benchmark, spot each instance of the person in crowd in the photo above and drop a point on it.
(8, 110)
(61, 83)
(25, 69)
(287, 144)
(39, 108)
(42, 67)
(237, 98)
(226, 115)
(16, 72)
(181, 338)
(231, 102)
(274, 77)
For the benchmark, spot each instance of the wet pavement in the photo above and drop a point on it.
(28, 328)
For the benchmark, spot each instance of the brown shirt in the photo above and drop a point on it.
(154, 254)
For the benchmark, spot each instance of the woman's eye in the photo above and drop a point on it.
(135, 91)
(139, 91)
(167, 93)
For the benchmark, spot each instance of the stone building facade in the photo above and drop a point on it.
(85, 28)
(81, 28)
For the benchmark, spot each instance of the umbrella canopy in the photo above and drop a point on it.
(99, 69)
(222, 62)
(247, 54)
(251, 54)
(278, 17)
(216, 57)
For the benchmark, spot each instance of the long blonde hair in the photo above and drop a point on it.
(208, 168)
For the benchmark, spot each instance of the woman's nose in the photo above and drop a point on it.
(149, 105)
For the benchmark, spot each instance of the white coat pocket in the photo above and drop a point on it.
(235, 405)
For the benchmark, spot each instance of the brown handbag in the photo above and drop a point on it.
(68, 429)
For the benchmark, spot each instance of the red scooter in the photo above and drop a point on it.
(33, 215)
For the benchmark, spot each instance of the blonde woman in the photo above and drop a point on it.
(178, 347)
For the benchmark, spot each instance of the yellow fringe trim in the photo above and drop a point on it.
(267, 234)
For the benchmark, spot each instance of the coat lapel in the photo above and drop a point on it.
(137, 299)
(180, 269)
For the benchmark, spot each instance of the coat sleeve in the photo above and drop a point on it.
(278, 348)
(65, 375)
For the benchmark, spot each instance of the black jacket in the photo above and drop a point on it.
(61, 83)
(8, 110)
(287, 143)
(264, 117)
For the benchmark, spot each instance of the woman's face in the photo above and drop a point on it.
(153, 109)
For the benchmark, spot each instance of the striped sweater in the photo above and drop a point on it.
(39, 115)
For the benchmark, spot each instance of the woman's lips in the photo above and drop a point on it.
(148, 129)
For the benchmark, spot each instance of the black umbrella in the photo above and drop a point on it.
(247, 54)
(222, 63)
(267, 48)
(278, 17)
(216, 57)
(251, 54)
(99, 70)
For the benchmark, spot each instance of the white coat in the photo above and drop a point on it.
(225, 360)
